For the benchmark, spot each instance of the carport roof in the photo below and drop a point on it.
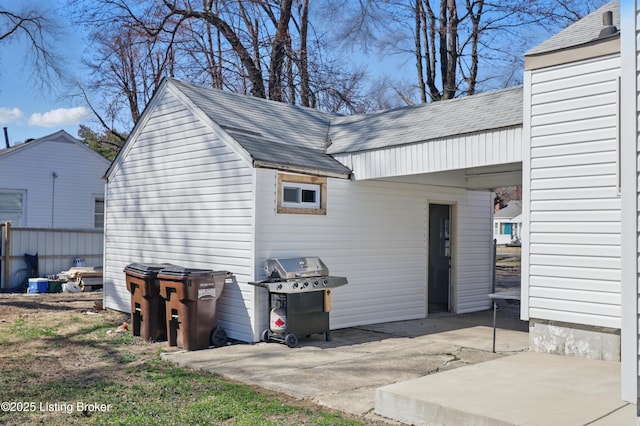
(436, 120)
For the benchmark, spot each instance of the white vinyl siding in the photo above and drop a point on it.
(375, 234)
(572, 263)
(66, 201)
(12, 206)
(183, 197)
(636, 59)
(630, 186)
(493, 147)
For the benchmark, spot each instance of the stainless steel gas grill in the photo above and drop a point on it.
(299, 298)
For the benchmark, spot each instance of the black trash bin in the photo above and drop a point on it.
(147, 307)
(191, 297)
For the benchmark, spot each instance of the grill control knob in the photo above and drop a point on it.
(315, 283)
(295, 285)
(325, 282)
(279, 287)
(306, 284)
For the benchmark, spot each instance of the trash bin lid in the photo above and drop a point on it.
(146, 268)
(179, 271)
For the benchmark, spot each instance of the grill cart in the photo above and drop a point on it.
(299, 298)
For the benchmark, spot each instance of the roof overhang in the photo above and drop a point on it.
(298, 169)
(589, 50)
(489, 159)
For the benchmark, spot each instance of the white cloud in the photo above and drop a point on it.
(59, 117)
(12, 115)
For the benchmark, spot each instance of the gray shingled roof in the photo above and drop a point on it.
(286, 154)
(491, 110)
(277, 121)
(581, 32)
(271, 132)
(283, 134)
(59, 136)
(513, 209)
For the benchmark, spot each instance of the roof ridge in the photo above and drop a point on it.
(250, 98)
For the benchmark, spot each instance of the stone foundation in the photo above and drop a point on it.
(583, 341)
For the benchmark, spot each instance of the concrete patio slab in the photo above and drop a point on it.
(346, 373)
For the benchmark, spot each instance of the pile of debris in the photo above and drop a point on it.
(81, 278)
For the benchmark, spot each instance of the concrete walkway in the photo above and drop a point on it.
(392, 358)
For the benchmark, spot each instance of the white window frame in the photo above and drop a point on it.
(95, 213)
(23, 216)
(317, 184)
(300, 188)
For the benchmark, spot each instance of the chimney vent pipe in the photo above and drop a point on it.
(608, 29)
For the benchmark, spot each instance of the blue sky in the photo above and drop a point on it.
(29, 112)
(25, 109)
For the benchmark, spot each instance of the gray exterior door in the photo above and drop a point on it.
(439, 258)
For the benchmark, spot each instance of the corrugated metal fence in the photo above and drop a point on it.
(56, 249)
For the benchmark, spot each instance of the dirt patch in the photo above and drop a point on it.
(17, 304)
(57, 319)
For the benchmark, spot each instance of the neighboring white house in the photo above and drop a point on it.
(400, 202)
(507, 224)
(52, 182)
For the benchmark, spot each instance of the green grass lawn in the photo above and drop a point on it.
(61, 368)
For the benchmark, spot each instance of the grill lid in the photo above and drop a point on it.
(296, 267)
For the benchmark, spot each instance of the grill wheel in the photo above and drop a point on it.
(291, 340)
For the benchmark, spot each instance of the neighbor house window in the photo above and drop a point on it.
(301, 194)
(12, 207)
(98, 215)
(505, 228)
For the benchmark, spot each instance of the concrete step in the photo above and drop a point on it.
(524, 389)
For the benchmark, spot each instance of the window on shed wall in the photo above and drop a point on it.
(98, 215)
(12, 207)
(299, 194)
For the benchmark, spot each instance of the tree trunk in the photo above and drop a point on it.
(449, 85)
(278, 52)
(419, 12)
(254, 73)
(305, 84)
(475, 36)
(430, 42)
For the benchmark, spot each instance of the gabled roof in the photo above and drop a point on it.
(582, 32)
(274, 121)
(436, 120)
(59, 136)
(272, 133)
(290, 137)
(511, 211)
